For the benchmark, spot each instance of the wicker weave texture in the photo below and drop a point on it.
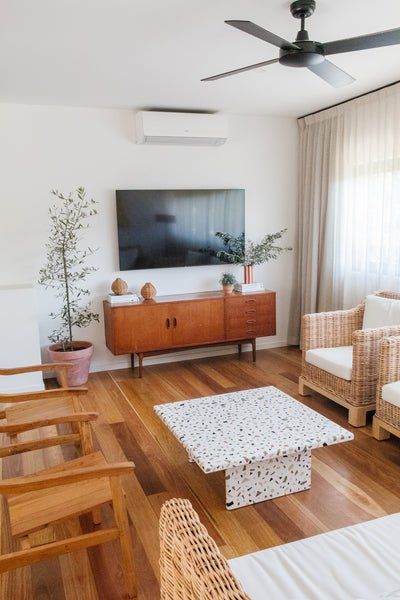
(343, 328)
(389, 371)
(191, 565)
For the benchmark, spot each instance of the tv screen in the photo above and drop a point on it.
(175, 228)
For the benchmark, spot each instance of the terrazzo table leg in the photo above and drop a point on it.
(259, 481)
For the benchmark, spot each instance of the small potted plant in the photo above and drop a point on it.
(228, 280)
(240, 251)
(65, 271)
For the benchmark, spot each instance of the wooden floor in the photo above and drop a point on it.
(351, 482)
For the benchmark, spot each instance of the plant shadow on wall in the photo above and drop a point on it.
(65, 271)
(241, 251)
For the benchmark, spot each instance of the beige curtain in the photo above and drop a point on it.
(349, 204)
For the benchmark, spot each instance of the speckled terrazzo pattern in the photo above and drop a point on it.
(267, 479)
(228, 430)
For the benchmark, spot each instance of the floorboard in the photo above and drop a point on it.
(351, 482)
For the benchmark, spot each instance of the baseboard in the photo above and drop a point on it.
(208, 351)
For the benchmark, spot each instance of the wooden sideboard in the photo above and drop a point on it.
(171, 323)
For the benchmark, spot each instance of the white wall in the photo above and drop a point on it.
(20, 344)
(55, 147)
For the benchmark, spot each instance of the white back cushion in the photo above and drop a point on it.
(381, 312)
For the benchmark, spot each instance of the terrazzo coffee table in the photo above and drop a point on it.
(262, 439)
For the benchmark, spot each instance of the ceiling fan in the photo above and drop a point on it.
(305, 53)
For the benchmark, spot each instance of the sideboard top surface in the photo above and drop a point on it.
(187, 297)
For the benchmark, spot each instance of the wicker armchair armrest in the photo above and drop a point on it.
(191, 565)
(330, 329)
(366, 347)
(389, 360)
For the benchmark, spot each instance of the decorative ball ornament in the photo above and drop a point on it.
(119, 287)
(148, 291)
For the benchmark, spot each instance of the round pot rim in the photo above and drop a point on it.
(80, 345)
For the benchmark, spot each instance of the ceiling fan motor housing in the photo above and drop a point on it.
(309, 53)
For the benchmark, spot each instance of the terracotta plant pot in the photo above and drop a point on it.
(80, 358)
(228, 288)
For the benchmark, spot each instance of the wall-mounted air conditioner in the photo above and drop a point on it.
(191, 129)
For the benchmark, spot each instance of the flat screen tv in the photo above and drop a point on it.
(175, 228)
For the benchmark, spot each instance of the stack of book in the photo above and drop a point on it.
(129, 298)
(249, 288)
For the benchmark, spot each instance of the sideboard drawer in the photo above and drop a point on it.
(248, 316)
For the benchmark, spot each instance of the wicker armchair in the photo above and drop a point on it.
(387, 417)
(191, 565)
(343, 328)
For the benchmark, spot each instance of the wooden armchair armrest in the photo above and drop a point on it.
(34, 368)
(78, 417)
(389, 360)
(330, 329)
(31, 483)
(42, 394)
(366, 345)
(61, 367)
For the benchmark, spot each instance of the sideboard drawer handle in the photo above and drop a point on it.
(167, 323)
(250, 331)
(250, 321)
(251, 310)
(251, 300)
(175, 322)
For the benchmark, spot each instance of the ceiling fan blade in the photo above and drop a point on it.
(331, 74)
(363, 42)
(262, 34)
(241, 70)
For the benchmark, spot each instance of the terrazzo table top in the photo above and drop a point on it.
(229, 430)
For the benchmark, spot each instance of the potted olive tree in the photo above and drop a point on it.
(240, 251)
(65, 271)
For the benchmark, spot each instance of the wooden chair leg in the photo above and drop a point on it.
(86, 438)
(97, 516)
(304, 390)
(357, 416)
(121, 518)
(378, 431)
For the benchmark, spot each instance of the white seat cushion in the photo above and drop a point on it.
(358, 562)
(337, 361)
(381, 312)
(391, 393)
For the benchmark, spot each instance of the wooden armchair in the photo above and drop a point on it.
(37, 502)
(387, 417)
(33, 410)
(340, 358)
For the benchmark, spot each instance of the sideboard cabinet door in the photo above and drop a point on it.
(141, 328)
(196, 323)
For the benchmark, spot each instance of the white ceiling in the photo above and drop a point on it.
(153, 53)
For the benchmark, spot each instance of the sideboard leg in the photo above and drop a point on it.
(132, 362)
(240, 350)
(140, 356)
(253, 344)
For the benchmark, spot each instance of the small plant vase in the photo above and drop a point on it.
(248, 274)
(228, 288)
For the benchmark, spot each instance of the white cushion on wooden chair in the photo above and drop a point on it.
(381, 312)
(337, 361)
(391, 393)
